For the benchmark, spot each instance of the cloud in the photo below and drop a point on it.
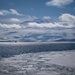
(44, 25)
(8, 12)
(14, 12)
(46, 17)
(67, 18)
(59, 3)
(14, 20)
(10, 26)
(1, 13)
(65, 21)
(4, 12)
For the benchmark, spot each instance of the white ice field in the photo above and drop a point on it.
(42, 63)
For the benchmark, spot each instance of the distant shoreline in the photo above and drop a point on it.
(33, 42)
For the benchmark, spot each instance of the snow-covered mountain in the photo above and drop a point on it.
(36, 35)
(37, 20)
(62, 40)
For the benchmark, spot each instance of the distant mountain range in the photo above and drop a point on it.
(37, 38)
(37, 20)
(62, 40)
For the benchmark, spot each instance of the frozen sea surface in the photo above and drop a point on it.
(41, 63)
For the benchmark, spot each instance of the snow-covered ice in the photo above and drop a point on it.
(42, 63)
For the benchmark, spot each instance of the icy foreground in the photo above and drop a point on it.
(43, 63)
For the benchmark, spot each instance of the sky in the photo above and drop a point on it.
(14, 12)
(35, 8)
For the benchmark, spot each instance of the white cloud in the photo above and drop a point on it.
(10, 26)
(44, 25)
(66, 21)
(14, 20)
(67, 18)
(14, 12)
(32, 25)
(1, 13)
(58, 3)
(46, 17)
(8, 12)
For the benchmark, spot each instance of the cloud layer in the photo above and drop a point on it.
(66, 20)
(58, 3)
(39, 32)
